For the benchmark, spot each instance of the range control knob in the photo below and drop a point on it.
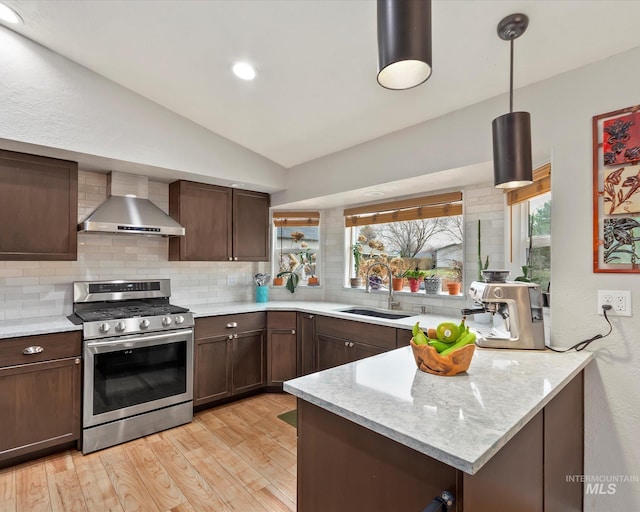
(144, 323)
(179, 319)
(121, 326)
(166, 321)
(104, 327)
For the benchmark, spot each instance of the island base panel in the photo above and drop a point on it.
(343, 467)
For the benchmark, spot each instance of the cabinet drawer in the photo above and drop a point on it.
(370, 334)
(54, 346)
(281, 319)
(215, 325)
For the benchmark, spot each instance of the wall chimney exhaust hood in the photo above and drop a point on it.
(128, 210)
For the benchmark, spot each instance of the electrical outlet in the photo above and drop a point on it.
(232, 280)
(619, 300)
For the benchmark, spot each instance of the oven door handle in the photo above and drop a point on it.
(135, 341)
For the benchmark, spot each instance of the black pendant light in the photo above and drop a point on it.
(512, 165)
(404, 43)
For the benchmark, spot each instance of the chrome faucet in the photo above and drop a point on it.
(393, 304)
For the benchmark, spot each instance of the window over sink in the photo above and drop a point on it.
(424, 233)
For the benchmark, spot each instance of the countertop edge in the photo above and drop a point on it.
(36, 326)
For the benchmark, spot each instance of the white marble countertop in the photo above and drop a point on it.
(36, 325)
(462, 420)
(333, 309)
(47, 325)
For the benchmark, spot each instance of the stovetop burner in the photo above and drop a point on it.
(110, 311)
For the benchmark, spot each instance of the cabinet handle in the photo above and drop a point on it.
(235, 259)
(351, 343)
(346, 343)
(231, 325)
(235, 336)
(230, 337)
(77, 361)
(230, 258)
(310, 317)
(35, 349)
(293, 331)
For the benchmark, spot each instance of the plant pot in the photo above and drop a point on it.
(432, 285)
(357, 282)
(414, 284)
(397, 283)
(454, 288)
(375, 282)
(278, 281)
(312, 281)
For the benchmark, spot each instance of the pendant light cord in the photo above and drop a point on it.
(511, 79)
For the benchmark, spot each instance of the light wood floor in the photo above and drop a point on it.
(235, 457)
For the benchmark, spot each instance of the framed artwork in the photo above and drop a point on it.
(616, 191)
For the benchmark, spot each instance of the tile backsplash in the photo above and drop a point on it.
(44, 288)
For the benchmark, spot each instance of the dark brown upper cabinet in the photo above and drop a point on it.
(222, 224)
(38, 207)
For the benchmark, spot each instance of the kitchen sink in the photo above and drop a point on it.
(375, 312)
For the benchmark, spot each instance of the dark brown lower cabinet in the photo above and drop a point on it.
(336, 351)
(39, 401)
(344, 467)
(282, 343)
(213, 370)
(306, 343)
(248, 362)
(340, 341)
(230, 356)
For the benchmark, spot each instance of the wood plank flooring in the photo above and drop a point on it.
(235, 457)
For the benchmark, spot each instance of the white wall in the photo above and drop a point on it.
(562, 109)
(50, 101)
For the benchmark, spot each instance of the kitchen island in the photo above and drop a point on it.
(378, 434)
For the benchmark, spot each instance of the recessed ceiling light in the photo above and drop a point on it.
(244, 70)
(9, 15)
(374, 193)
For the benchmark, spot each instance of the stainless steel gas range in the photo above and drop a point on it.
(138, 360)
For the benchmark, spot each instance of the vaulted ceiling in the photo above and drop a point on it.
(316, 92)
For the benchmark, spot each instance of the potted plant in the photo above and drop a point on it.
(398, 269)
(356, 250)
(292, 279)
(397, 282)
(525, 277)
(432, 284)
(453, 287)
(414, 277)
(481, 267)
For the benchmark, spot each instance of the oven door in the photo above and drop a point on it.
(130, 375)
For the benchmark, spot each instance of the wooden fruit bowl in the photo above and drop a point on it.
(428, 359)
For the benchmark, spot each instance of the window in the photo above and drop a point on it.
(424, 233)
(296, 244)
(531, 227)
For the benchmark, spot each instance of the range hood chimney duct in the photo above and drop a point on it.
(128, 210)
